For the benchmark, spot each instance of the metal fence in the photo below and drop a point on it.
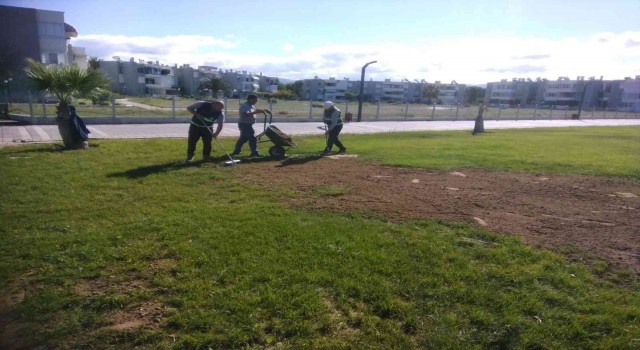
(174, 110)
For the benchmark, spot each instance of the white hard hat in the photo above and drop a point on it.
(328, 104)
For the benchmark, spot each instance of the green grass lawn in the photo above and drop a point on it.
(607, 151)
(231, 267)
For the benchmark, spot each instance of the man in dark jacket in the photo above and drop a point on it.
(204, 115)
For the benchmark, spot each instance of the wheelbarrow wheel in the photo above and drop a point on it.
(277, 152)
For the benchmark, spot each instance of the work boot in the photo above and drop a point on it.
(342, 150)
(190, 158)
(324, 153)
(255, 154)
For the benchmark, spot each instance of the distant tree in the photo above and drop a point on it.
(215, 85)
(297, 87)
(475, 94)
(431, 93)
(284, 94)
(284, 87)
(351, 96)
(94, 63)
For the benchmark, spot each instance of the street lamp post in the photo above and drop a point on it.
(7, 82)
(362, 89)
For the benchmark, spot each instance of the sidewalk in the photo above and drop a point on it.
(12, 134)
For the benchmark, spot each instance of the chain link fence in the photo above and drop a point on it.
(166, 110)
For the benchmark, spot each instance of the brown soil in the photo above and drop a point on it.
(585, 215)
(148, 314)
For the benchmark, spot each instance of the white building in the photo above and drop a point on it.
(630, 94)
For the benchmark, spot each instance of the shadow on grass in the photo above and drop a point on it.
(253, 159)
(299, 160)
(53, 148)
(145, 171)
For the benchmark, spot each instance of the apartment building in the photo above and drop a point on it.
(41, 35)
(313, 89)
(139, 78)
(78, 56)
(188, 79)
(242, 82)
(451, 94)
(515, 92)
(336, 90)
(630, 94)
(565, 92)
(389, 91)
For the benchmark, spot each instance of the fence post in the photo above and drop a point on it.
(173, 106)
(271, 105)
(605, 112)
(113, 106)
(225, 106)
(346, 109)
(535, 110)
(378, 110)
(44, 107)
(406, 111)
(457, 109)
(310, 109)
(30, 104)
(499, 112)
(518, 112)
(551, 112)
(433, 111)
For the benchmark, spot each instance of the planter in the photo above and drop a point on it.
(66, 128)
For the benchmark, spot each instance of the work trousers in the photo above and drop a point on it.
(195, 133)
(333, 138)
(246, 134)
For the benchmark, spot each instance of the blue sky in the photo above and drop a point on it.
(471, 42)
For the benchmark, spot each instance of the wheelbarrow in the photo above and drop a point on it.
(281, 141)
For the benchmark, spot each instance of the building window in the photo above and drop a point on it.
(51, 29)
(52, 59)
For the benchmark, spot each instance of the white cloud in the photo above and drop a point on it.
(288, 47)
(466, 60)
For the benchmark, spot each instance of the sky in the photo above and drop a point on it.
(471, 42)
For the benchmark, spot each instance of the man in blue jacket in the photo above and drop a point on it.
(247, 118)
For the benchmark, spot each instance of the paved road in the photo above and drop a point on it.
(11, 134)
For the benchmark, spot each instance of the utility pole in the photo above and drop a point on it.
(584, 91)
(360, 97)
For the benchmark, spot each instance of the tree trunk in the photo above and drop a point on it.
(479, 126)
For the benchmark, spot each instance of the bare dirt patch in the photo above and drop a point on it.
(594, 216)
(11, 297)
(149, 314)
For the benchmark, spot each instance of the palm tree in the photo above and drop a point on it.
(431, 93)
(64, 83)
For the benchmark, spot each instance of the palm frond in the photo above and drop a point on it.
(64, 82)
